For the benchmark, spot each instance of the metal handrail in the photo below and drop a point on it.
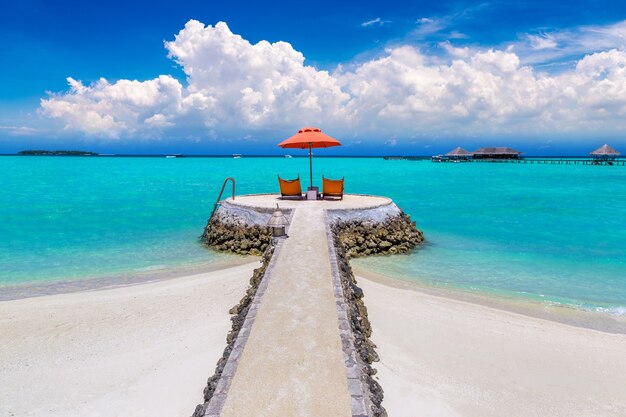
(219, 197)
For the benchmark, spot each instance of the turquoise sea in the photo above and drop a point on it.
(555, 233)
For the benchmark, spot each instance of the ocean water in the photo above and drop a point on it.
(555, 233)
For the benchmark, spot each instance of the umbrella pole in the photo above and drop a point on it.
(311, 163)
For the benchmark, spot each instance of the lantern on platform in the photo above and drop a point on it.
(277, 223)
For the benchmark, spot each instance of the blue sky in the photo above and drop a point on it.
(44, 42)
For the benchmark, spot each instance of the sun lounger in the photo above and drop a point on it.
(290, 188)
(332, 188)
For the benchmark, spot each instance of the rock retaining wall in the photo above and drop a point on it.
(223, 234)
(361, 330)
(239, 313)
(357, 237)
(393, 235)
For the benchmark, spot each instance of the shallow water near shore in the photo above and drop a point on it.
(561, 312)
(552, 233)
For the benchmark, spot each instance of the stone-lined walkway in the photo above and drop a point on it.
(294, 355)
(292, 363)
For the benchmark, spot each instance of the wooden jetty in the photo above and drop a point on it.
(547, 161)
(538, 161)
(404, 158)
(604, 155)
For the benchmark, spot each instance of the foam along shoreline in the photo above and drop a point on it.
(447, 358)
(561, 313)
(141, 350)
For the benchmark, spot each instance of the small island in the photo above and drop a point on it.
(56, 153)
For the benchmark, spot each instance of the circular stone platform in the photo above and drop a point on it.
(256, 209)
(349, 202)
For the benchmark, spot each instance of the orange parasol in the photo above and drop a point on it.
(309, 138)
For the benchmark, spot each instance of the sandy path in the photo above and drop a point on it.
(444, 358)
(292, 364)
(143, 350)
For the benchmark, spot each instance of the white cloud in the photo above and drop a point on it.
(236, 88)
(375, 22)
(159, 120)
(453, 51)
(544, 41)
(442, 27)
(570, 43)
(19, 130)
(456, 35)
(260, 85)
(108, 110)
(427, 26)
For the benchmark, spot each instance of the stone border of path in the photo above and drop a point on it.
(360, 403)
(216, 403)
(365, 393)
(359, 393)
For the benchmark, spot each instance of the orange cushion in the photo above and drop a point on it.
(290, 187)
(332, 186)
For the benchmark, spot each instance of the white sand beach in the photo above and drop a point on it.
(442, 357)
(142, 350)
(147, 350)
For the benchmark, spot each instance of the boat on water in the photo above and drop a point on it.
(176, 155)
(288, 156)
(236, 155)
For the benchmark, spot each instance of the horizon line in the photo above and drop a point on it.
(112, 155)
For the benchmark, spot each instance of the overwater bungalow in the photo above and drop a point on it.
(458, 154)
(496, 153)
(604, 154)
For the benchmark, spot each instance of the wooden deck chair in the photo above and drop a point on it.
(290, 188)
(332, 188)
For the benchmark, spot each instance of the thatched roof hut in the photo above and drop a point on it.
(459, 152)
(605, 150)
(496, 153)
